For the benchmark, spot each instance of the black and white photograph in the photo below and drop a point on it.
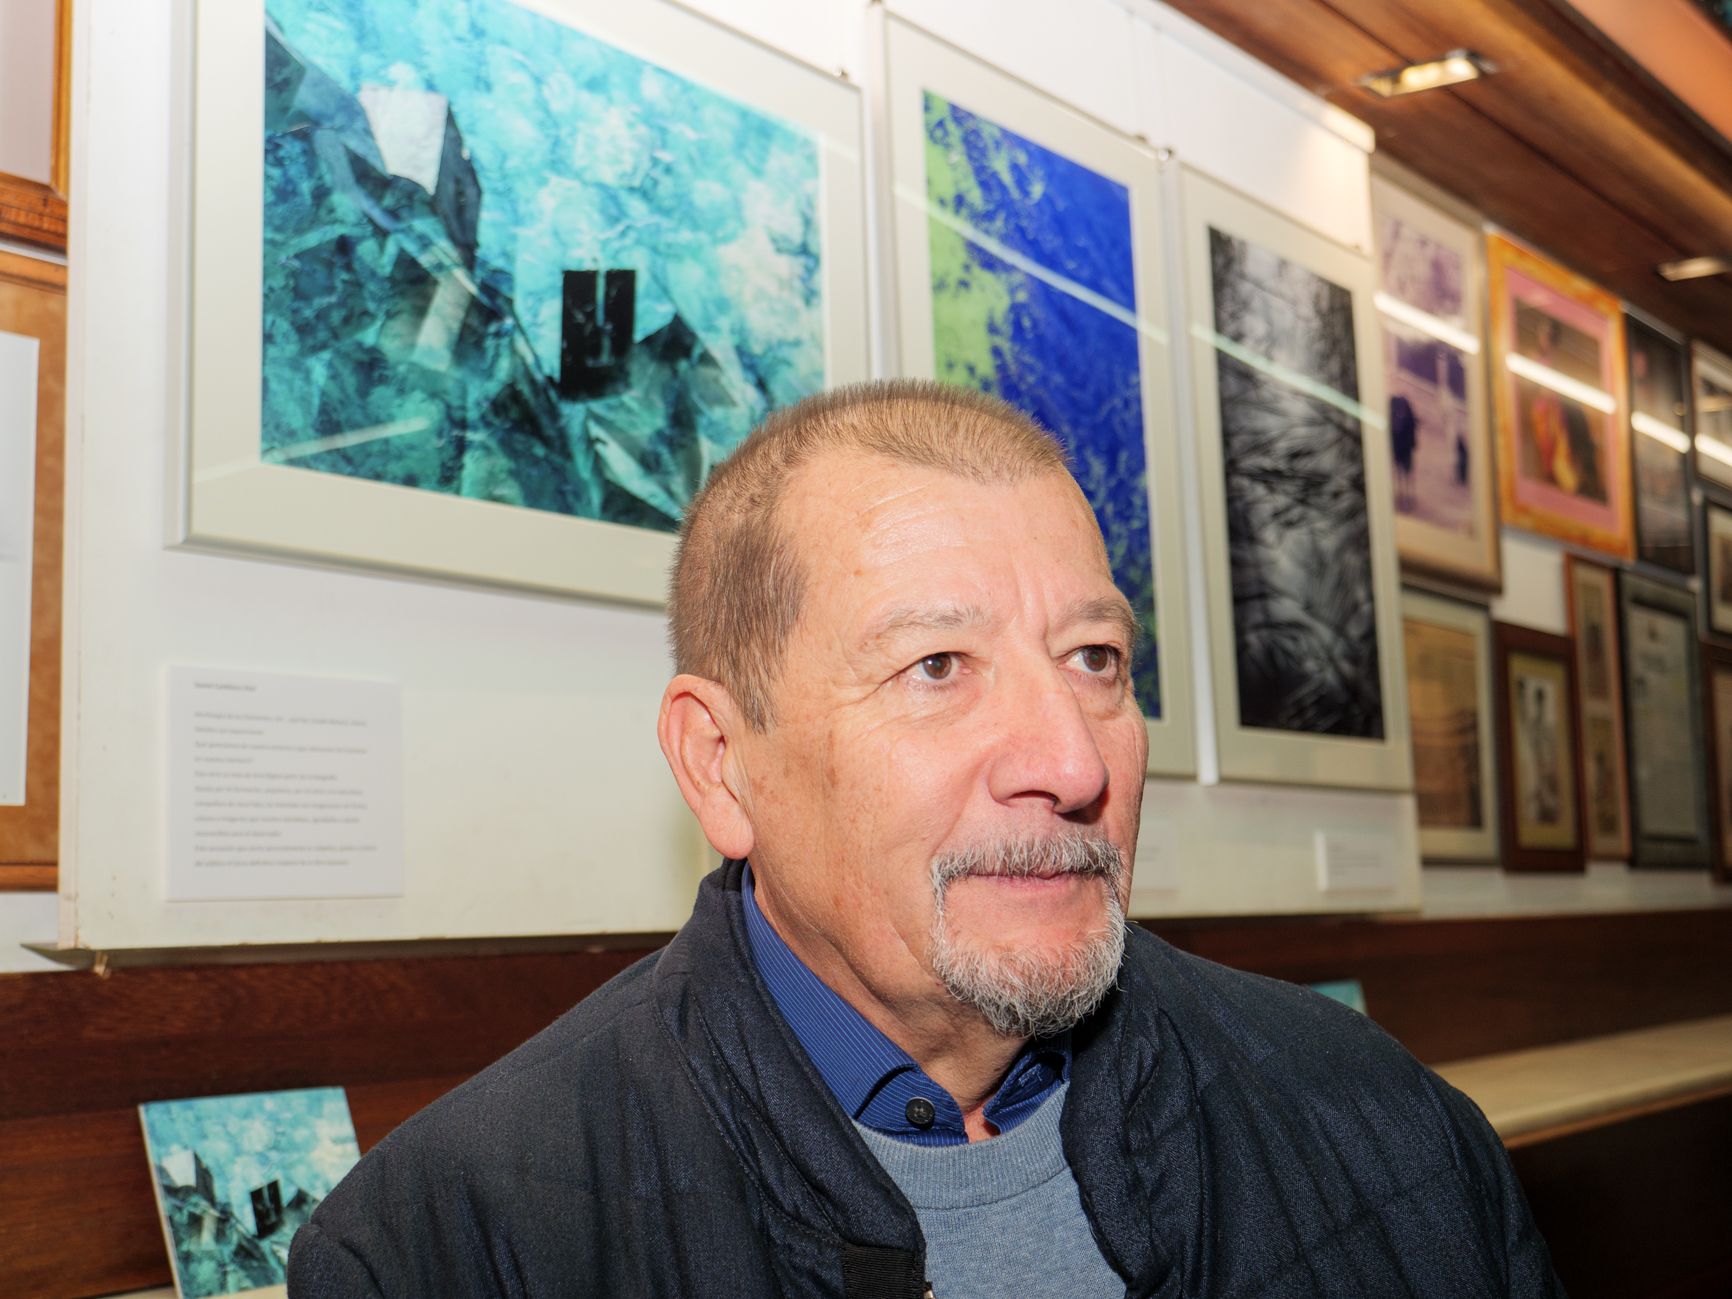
(1300, 557)
(1304, 614)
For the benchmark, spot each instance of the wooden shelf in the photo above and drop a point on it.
(1548, 1092)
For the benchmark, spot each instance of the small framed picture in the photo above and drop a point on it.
(1430, 272)
(1537, 750)
(1592, 590)
(1662, 686)
(1557, 361)
(1717, 574)
(1660, 445)
(1448, 645)
(1713, 432)
(1717, 686)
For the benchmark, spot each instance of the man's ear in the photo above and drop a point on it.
(698, 721)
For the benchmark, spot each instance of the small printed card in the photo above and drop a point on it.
(235, 1178)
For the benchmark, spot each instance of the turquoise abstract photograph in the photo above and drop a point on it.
(1034, 301)
(236, 1176)
(508, 261)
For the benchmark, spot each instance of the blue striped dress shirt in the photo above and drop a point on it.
(875, 1081)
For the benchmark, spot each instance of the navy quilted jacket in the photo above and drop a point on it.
(1231, 1136)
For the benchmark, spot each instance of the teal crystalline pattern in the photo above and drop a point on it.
(507, 261)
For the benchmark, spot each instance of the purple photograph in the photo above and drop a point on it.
(1431, 447)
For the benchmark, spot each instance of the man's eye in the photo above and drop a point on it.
(936, 667)
(1098, 660)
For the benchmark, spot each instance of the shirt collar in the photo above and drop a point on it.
(875, 1081)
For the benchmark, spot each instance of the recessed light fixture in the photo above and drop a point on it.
(1447, 70)
(1694, 268)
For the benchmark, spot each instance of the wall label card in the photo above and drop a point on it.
(17, 523)
(1354, 862)
(283, 787)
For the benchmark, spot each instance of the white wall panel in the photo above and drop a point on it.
(1312, 165)
(1079, 51)
(1533, 584)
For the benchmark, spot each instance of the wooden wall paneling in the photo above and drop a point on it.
(1631, 151)
(33, 302)
(1638, 1208)
(79, 1042)
(79, 1052)
(1454, 989)
(81, 1215)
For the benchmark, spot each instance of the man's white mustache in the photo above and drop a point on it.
(1075, 854)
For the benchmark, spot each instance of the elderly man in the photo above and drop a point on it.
(907, 1045)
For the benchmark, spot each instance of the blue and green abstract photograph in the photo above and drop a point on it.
(508, 261)
(236, 1177)
(1034, 300)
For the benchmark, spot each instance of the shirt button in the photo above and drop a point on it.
(920, 1112)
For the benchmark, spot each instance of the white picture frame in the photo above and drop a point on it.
(1261, 752)
(1472, 557)
(1453, 843)
(915, 63)
(223, 494)
(1711, 399)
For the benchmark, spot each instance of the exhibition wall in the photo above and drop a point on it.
(533, 798)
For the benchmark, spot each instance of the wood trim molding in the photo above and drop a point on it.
(32, 212)
(33, 302)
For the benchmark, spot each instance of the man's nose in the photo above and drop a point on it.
(1046, 749)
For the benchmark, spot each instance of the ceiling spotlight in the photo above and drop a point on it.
(1694, 268)
(1449, 70)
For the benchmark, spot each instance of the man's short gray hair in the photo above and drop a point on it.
(738, 580)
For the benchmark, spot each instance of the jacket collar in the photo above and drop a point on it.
(772, 1106)
(1128, 1128)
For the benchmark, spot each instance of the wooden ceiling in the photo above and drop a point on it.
(1571, 146)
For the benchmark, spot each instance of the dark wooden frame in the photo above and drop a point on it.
(1634, 325)
(1718, 765)
(1636, 590)
(30, 211)
(1573, 565)
(33, 302)
(1507, 640)
(1704, 536)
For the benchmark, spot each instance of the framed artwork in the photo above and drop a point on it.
(483, 290)
(1028, 255)
(1660, 446)
(1713, 439)
(36, 128)
(1448, 646)
(1558, 373)
(1717, 685)
(1669, 806)
(1717, 566)
(32, 468)
(1592, 592)
(1303, 598)
(1537, 750)
(1429, 308)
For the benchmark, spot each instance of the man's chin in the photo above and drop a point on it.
(1034, 986)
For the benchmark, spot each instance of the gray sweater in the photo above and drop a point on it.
(1001, 1217)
